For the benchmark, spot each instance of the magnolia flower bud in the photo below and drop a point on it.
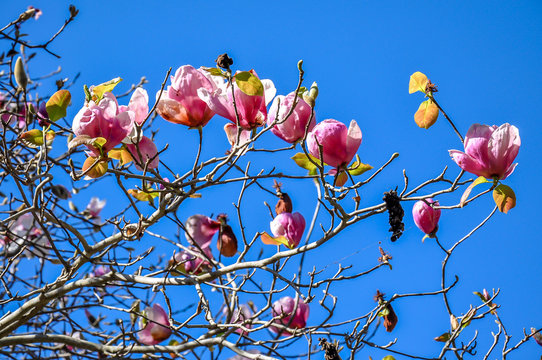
(426, 216)
(310, 95)
(20, 74)
(290, 312)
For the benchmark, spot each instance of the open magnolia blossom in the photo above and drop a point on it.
(339, 143)
(291, 129)
(94, 207)
(489, 151)
(290, 312)
(287, 228)
(105, 120)
(25, 232)
(156, 326)
(180, 103)
(252, 109)
(426, 216)
(192, 261)
(200, 230)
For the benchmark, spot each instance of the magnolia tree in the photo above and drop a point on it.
(77, 285)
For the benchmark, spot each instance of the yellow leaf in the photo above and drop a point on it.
(98, 170)
(426, 115)
(122, 154)
(504, 197)
(269, 240)
(418, 82)
(108, 86)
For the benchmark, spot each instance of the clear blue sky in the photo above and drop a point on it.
(485, 59)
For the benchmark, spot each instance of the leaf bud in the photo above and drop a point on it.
(20, 75)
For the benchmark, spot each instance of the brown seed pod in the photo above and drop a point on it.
(227, 242)
(284, 204)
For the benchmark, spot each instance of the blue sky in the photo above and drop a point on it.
(485, 59)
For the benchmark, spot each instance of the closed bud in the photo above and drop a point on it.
(284, 204)
(227, 242)
(311, 95)
(20, 74)
(426, 217)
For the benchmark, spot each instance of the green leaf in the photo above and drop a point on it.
(480, 180)
(249, 83)
(214, 71)
(108, 86)
(341, 179)
(504, 197)
(358, 168)
(384, 312)
(443, 338)
(57, 105)
(144, 195)
(303, 161)
(34, 137)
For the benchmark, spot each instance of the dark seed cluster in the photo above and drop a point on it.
(396, 213)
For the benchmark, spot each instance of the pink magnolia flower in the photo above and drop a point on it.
(104, 120)
(489, 151)
(180, 103)
(293, 128)
(251, 108)
(155, 326)
(425, 216)
(239, 316)
(200, 229)
(11, 113)
(100, 271)
(139, 105)
(287, 228)
(339, 144)
(95, 206)
(193, 261)
(284, 310)
(24, 231)
(148, 151)
(231, 133)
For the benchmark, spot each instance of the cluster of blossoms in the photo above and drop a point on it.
(192, 99)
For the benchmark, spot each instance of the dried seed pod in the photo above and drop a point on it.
(284, 204)
(396, 213)
(227, 242)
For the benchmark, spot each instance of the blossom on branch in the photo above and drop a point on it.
(155, 326)
(489, 151)
(200, 230)
(251, 109)
(105, 120)
(339, 143)
(180, 103)
(426, 216)
(291, 129)
(290, 312)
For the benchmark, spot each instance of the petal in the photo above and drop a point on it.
(139, 104)
(269, 90)
(353, 140)
(468, 163)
